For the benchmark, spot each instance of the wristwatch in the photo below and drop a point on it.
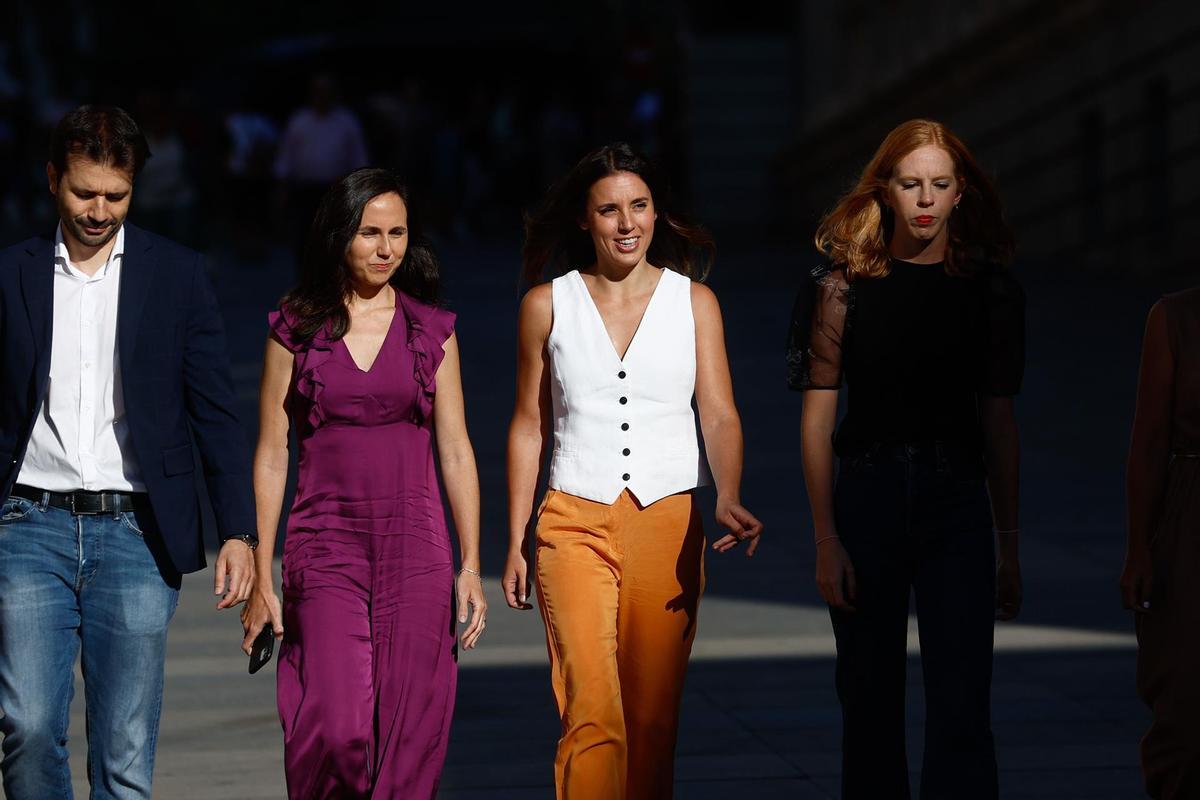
(248, 539)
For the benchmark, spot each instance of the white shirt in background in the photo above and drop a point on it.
(320, 148)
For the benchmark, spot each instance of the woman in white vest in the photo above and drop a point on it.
(611, 355)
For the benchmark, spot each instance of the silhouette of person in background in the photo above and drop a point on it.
(1158, 581)
(322, 142)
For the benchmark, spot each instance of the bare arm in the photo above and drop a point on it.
(1149, 457)
(271, 453)
(817, 422)
(527, 436)
(461, 479)
(456, 456)
(1002, 457)
(720, 423)
(270, 480)
(835, 573)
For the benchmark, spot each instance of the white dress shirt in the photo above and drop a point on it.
(80, 438)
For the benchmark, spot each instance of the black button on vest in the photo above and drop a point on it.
(621, 374)
(625, 477)
(624, 400)
(624, 427)
(625, 452)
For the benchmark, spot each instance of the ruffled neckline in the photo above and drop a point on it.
(426, 328)
(424, 368)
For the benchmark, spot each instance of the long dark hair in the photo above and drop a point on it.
(554, 242)
(324, 280)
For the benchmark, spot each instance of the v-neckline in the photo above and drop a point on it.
(600, 317)
(387, 335)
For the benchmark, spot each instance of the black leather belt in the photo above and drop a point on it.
(83, 501)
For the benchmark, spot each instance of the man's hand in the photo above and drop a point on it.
(235, 566)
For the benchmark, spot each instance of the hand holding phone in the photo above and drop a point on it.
(263, 647)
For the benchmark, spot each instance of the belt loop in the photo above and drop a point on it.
(44, 503)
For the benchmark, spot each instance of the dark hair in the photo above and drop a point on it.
(324, 280)
(104, 134)
(555, 242)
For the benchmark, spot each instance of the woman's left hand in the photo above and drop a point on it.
(1008, 589)
(469, 589)
(742, 525)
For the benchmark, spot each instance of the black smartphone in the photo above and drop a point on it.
(263, 647)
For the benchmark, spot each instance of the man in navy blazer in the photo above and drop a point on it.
(112, 368)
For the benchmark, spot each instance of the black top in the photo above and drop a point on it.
(916, 348)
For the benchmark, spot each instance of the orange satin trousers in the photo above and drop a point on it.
(618, 587)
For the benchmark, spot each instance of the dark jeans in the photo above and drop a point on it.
(916, 518)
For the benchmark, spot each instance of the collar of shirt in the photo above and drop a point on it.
(62, 259)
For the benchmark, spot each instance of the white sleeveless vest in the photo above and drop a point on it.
(624, 424)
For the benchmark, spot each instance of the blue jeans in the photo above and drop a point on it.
(916, 520)
(69, 583)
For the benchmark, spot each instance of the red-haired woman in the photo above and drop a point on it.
(1163, 493)
(917, 315)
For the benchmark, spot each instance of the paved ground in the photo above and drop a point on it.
(760, 716)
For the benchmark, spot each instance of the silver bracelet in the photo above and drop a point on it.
(825, 539)
(470, 571)
(1006, 533)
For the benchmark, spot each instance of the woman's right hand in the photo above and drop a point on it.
(516, 580)
(1137, 579)
(263, 608)
(835, 574)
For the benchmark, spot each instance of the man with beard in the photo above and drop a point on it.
(113, 364)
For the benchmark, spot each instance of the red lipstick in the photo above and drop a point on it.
(924, 219)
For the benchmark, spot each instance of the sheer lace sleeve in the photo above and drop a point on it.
(814, 351)
(1005, 305)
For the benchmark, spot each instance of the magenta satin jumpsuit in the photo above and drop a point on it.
(367, 670)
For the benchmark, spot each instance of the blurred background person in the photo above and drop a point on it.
(321, 142)
(251, 137)
(166, 196)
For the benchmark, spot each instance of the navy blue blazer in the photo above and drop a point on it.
(175, 377)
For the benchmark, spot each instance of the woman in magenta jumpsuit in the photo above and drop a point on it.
(364, 370)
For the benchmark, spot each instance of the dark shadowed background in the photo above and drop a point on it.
(1087, 112)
